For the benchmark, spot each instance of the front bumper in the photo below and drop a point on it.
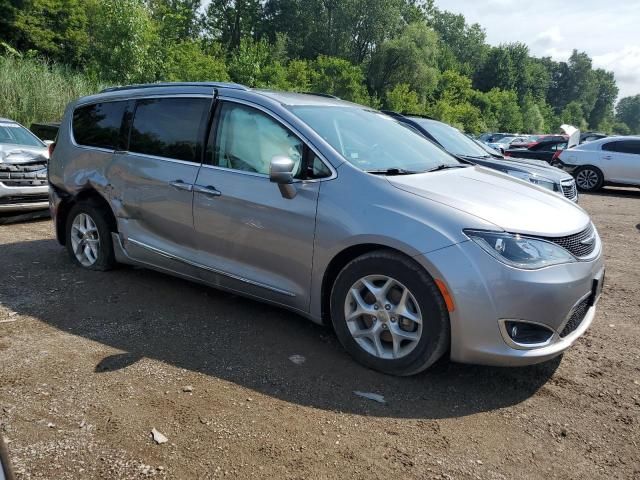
(22, 199)
(486, 292)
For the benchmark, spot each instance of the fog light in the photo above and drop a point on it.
(527, 333)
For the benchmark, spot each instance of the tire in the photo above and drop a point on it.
(101, 257)
(589, 178)
(429, 340)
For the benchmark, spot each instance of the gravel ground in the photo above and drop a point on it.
(90, 363)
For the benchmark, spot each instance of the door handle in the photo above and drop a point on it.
(209, 190)
(607, 157)
(180, 185)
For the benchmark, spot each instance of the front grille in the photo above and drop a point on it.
(569, 189)
(577, 315)
(23, 174)
(580, 244)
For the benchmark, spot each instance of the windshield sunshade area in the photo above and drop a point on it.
(13, 133)
(373, 141)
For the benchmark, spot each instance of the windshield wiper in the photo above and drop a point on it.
(392, 171)
(445, 166)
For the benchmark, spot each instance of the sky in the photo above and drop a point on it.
(608, 31)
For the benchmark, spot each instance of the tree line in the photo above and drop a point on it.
(403, 55)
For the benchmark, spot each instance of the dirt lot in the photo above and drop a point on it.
(90, 363)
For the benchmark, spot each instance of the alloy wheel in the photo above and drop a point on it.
(587, 179)
(383, 317)
(85, 240)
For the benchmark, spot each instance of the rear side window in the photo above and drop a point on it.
(170, 127)
(98, 125)
(624, 146)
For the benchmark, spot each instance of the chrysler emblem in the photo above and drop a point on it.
(589, 240)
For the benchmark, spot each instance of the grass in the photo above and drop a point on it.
(33, 90)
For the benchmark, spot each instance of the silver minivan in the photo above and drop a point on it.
(330, 209)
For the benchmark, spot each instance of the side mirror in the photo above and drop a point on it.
(281, 172)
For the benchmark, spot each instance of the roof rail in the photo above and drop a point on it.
(327, 95)
(235, 86)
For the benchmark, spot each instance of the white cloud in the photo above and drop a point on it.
(548, 38)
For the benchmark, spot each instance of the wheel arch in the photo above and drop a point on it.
(338, 262)
(88, 195)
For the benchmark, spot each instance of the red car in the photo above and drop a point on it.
(535, 139)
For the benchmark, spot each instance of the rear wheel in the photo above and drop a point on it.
(589, 179)
(389, 314)
(89, 237)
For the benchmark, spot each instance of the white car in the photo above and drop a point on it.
(608, 161)
(23, 169)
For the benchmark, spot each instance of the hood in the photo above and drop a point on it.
(10, 153)
(513, 205)
(573, 133)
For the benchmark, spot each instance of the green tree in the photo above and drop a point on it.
(338, 77)
(573, 114)
(177, 20)
(187, 62)
(503, 109)
(410, 58)
(532, 118)
(628, 112)
(56, 29)
(497, 72)
(252, 64)
(230, 21)
(402, 99)
(607, 91)
(462, 46)
(124, 41)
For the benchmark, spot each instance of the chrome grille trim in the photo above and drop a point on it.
(577, 244)
(569, 189)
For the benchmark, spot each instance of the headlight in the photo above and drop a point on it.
(520, 252)
(541, 181)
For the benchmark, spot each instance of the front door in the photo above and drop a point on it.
(154, 180)
(251, 238)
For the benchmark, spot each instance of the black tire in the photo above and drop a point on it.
(433, 342)
(592, 172)
(105, 259)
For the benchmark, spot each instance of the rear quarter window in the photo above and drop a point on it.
(98, 125)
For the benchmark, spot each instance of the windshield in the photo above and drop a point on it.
(15, 134)
(452, 139)
(371, 140)
(506, 140)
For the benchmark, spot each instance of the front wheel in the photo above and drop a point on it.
(389, 314)
(88, 238)
(589, 179)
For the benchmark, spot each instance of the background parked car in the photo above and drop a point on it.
(591, 136)
(540, 151)
(504, 143)
(23, 169)
(45, 131)
(493, 137)
(458, 144)
(608, 161)
(532, 140)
